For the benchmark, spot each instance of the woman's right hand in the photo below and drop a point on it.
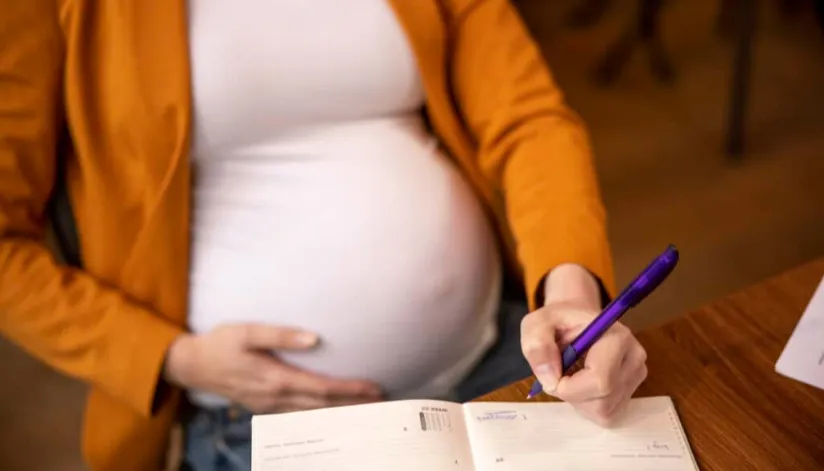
(235, 362)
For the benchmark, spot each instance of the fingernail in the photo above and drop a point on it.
(547, 376)
(307, 339)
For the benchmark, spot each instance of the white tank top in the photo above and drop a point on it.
(321, 202)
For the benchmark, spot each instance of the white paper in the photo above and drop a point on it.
(803, 357)
(390, 436)
(553, 437)
(485, 436)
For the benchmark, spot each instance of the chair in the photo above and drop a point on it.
(645, 30)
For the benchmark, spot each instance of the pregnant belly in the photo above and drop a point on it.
(367, 237)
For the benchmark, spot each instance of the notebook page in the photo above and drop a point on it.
(389, 436)
(552, 436)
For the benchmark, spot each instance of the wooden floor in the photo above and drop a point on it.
(664, 177)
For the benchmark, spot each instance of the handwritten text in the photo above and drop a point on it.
(498, 415)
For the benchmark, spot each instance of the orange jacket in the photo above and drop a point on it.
(109, 82)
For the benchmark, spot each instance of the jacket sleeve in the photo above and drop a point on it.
(62, 316)
(532, 147)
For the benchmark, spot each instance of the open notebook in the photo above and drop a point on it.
(420, 435)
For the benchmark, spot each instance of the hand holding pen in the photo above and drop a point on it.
(557, 335)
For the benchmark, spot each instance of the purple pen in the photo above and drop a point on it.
(640, 288)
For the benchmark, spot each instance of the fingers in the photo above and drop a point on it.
(279, 380)
(603, 371)
(299, 402)
(614, 368)
(607, 410)
(267, 404)
(294, 381)
(541, 333)
(539, 346)
(635, 358)
(272, 386)
(635, 379)
(267, 337)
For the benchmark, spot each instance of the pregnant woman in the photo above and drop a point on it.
(286, 205)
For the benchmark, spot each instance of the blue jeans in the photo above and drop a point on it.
(220, 440)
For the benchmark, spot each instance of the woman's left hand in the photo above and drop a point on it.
(613, 368)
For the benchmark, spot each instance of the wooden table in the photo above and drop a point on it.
(718, 365)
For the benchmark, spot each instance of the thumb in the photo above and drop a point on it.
(268, 337)
(539, 334)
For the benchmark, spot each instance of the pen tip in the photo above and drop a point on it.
(529, 396)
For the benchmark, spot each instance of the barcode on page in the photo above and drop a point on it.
(434, 419)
